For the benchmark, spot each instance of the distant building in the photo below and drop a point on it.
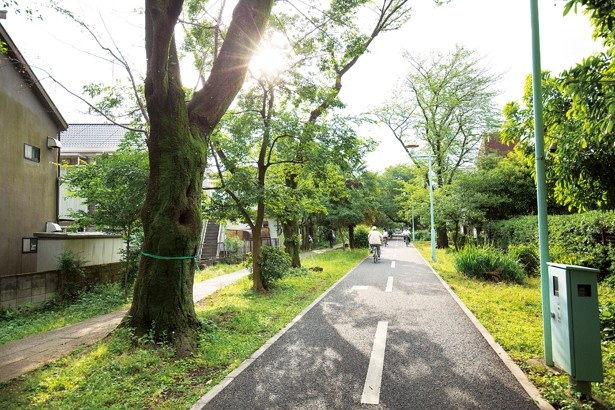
(492, 144)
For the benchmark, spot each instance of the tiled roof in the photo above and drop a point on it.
(99, 137)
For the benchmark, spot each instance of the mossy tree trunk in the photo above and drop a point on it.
(179, 134)
(291, 241)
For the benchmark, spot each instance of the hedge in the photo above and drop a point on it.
(586, 239)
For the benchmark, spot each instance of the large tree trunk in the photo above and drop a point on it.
(291, 241)
(290, 228)
(351, 236)
(257, 277)
(442, 237)
(162, 303)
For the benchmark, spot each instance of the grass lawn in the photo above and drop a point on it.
(513, 315)
(23, 322)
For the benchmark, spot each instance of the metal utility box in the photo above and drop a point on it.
(575, 323)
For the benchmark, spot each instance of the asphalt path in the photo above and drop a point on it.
(389, 335)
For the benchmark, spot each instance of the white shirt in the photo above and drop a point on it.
(374, 238)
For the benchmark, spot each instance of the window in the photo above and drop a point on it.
(32, 153)
(29, 245)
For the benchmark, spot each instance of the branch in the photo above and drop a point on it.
(92, 107)
(119, 57)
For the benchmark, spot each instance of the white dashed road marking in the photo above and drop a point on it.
(371, 389)
(389, 284)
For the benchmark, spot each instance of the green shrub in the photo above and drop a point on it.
(274, 264)
(360, 237)
(422, 235)
(607, 321)
(584, 239)
(489, 264)
(233, 254)
(527, 255)
(521, 230)
(72, 274)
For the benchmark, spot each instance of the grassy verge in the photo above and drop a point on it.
(24, 321)
(16, 324)
(513, 315)
(117, 374)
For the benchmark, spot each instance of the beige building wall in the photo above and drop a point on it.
(28, 189)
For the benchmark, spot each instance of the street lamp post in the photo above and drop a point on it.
(541, 184)
(431, 210)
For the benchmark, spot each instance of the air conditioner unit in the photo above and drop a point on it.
(53, 143)
(52, 227)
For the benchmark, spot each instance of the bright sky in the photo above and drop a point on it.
(499, 30)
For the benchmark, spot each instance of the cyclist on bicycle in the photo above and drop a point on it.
(385, 237)
(406, 236)
(375, 240)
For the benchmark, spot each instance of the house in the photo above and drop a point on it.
(81, 143)
(29, 190)
(492, 144)
(31, 125)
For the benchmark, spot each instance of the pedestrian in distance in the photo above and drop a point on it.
(331, 237)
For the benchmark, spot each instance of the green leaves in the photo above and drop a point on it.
(115, 185)
(445, 102)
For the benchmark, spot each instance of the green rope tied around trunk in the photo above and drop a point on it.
(172, 258)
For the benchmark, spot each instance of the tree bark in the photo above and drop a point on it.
(351, 236)
(162, 304)
(291, 242)
(442, 237)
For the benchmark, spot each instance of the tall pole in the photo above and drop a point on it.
(431, 212)
(541, 195)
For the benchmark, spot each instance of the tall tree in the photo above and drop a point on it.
(393, 181)
(179, 135)
(581, 152)
(445, 102)
(340, 36)
(359, 203)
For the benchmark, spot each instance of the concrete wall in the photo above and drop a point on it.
(92, 248)
(37, 288)
(28, 190)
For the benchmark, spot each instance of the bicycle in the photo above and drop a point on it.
(406, 240)
(375, 252)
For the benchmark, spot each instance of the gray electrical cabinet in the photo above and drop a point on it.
(575, 323)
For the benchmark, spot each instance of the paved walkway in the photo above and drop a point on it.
(390, 335)
(22, 356)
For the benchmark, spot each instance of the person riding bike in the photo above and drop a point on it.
(385, 237)
(406, 236)
(375, 240)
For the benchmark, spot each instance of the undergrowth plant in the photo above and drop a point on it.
(489, 264)
(527, 256)
(71, 274)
